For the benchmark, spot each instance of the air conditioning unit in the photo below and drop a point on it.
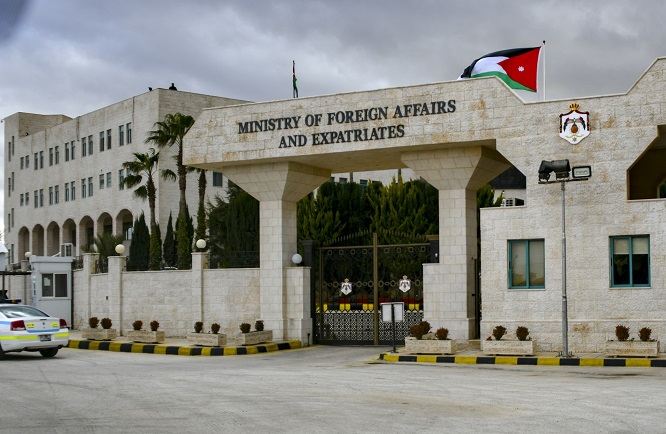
(512, 201)
(66, 249)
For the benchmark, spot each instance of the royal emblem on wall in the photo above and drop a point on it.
(346, 287)
(405, 284)
(574, 126)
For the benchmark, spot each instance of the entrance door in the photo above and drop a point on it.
(355, 274)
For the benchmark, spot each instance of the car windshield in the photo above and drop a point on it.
(14, 311)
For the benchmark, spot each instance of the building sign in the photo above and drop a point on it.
(341, 126)
(574, 126)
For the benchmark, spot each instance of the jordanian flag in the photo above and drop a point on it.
(517, 67)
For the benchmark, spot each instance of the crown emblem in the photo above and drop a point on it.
(574, 106)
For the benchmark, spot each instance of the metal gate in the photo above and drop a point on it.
(355, 274)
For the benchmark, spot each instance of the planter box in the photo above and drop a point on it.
(254, 338)
(509, 348)
(98, 334)
(632, 348)
(430, 346)
(146, 336)
(207, 339)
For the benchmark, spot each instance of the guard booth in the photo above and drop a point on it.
(52, 285)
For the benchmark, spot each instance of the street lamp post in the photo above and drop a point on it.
(580, 173)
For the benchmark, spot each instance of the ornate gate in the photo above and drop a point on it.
(355, 274)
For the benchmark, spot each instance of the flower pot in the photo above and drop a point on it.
(509, 348)
(146, 336)
(207, 339)
(632, 348)
(98, 334)
(430, 346)
(254, 338)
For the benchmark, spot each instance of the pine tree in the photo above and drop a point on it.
(169, 246)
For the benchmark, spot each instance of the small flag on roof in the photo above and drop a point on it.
(295, 87)
(517, 67)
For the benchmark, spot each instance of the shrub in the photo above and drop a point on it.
(420, 329)
(498, 332)
(644, 334)
(106, 323)
(622, 332)
(215, 328)
(442, 334)
(522, 333)
(426, 327)
(259, 326)
(93, 322)
(245, 327)
(198, 326)
(154, 325)
(136, 325)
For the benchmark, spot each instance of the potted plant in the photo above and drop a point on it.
(522, 346)
(422, 341)
(625, 347)
(213, 339)
(93, 333)
(152, 336)
(258, 336)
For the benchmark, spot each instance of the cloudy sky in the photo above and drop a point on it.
(74, 56)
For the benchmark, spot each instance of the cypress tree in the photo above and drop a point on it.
(169, 246)
(140, 245)
(200, 233)
(155, 248)
(184, 246)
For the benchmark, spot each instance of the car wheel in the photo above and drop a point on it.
(2, 354)
(49, 352)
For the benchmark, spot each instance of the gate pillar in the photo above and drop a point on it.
(285, 303)
(449, 286)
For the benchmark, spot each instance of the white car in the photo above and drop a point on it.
(25, 328)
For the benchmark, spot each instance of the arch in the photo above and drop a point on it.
(23, 242)
(124, 223)
(104, 224)
(38, 240)
(86, 232)
(52, 239)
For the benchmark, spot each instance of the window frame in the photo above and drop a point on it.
(611, 251)
(510, 267)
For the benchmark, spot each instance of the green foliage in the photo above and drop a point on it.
(200, 233)
(169, 246)
(139, 251)
(105, 244)
(183, 244)
(155, 249)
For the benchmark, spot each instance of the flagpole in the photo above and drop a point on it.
(544, 69)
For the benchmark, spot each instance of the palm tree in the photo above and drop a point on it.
(145, 166)
(170, 132)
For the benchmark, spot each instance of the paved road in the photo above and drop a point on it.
(318, 390)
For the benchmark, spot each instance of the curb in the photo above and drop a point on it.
(176, 350)
(542, 361)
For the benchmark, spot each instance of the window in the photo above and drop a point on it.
(67, 192)
(67, 151)
(101, 181)
(630, 260)
(101, 141)
(50, 195)
(217, 179)
(50, 156)
(84, 149)
(27, 161)
(90, 187)
(527, 264)
(41, 197)
(41, 159)
(90, 145)
(83, 188)
(121, 135)
(21, 199)
(13, 185)
(9, 219)
(57, 194)
(121, 178)
(27, 198)
(108, 139)
(36, 161)
(57, 155)
(108, 179)
(128, 128)
(72, 147)
(36, 199)
(12, 225)
(9, 151)
(54, 285)
(73, 190)
(21, 163)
